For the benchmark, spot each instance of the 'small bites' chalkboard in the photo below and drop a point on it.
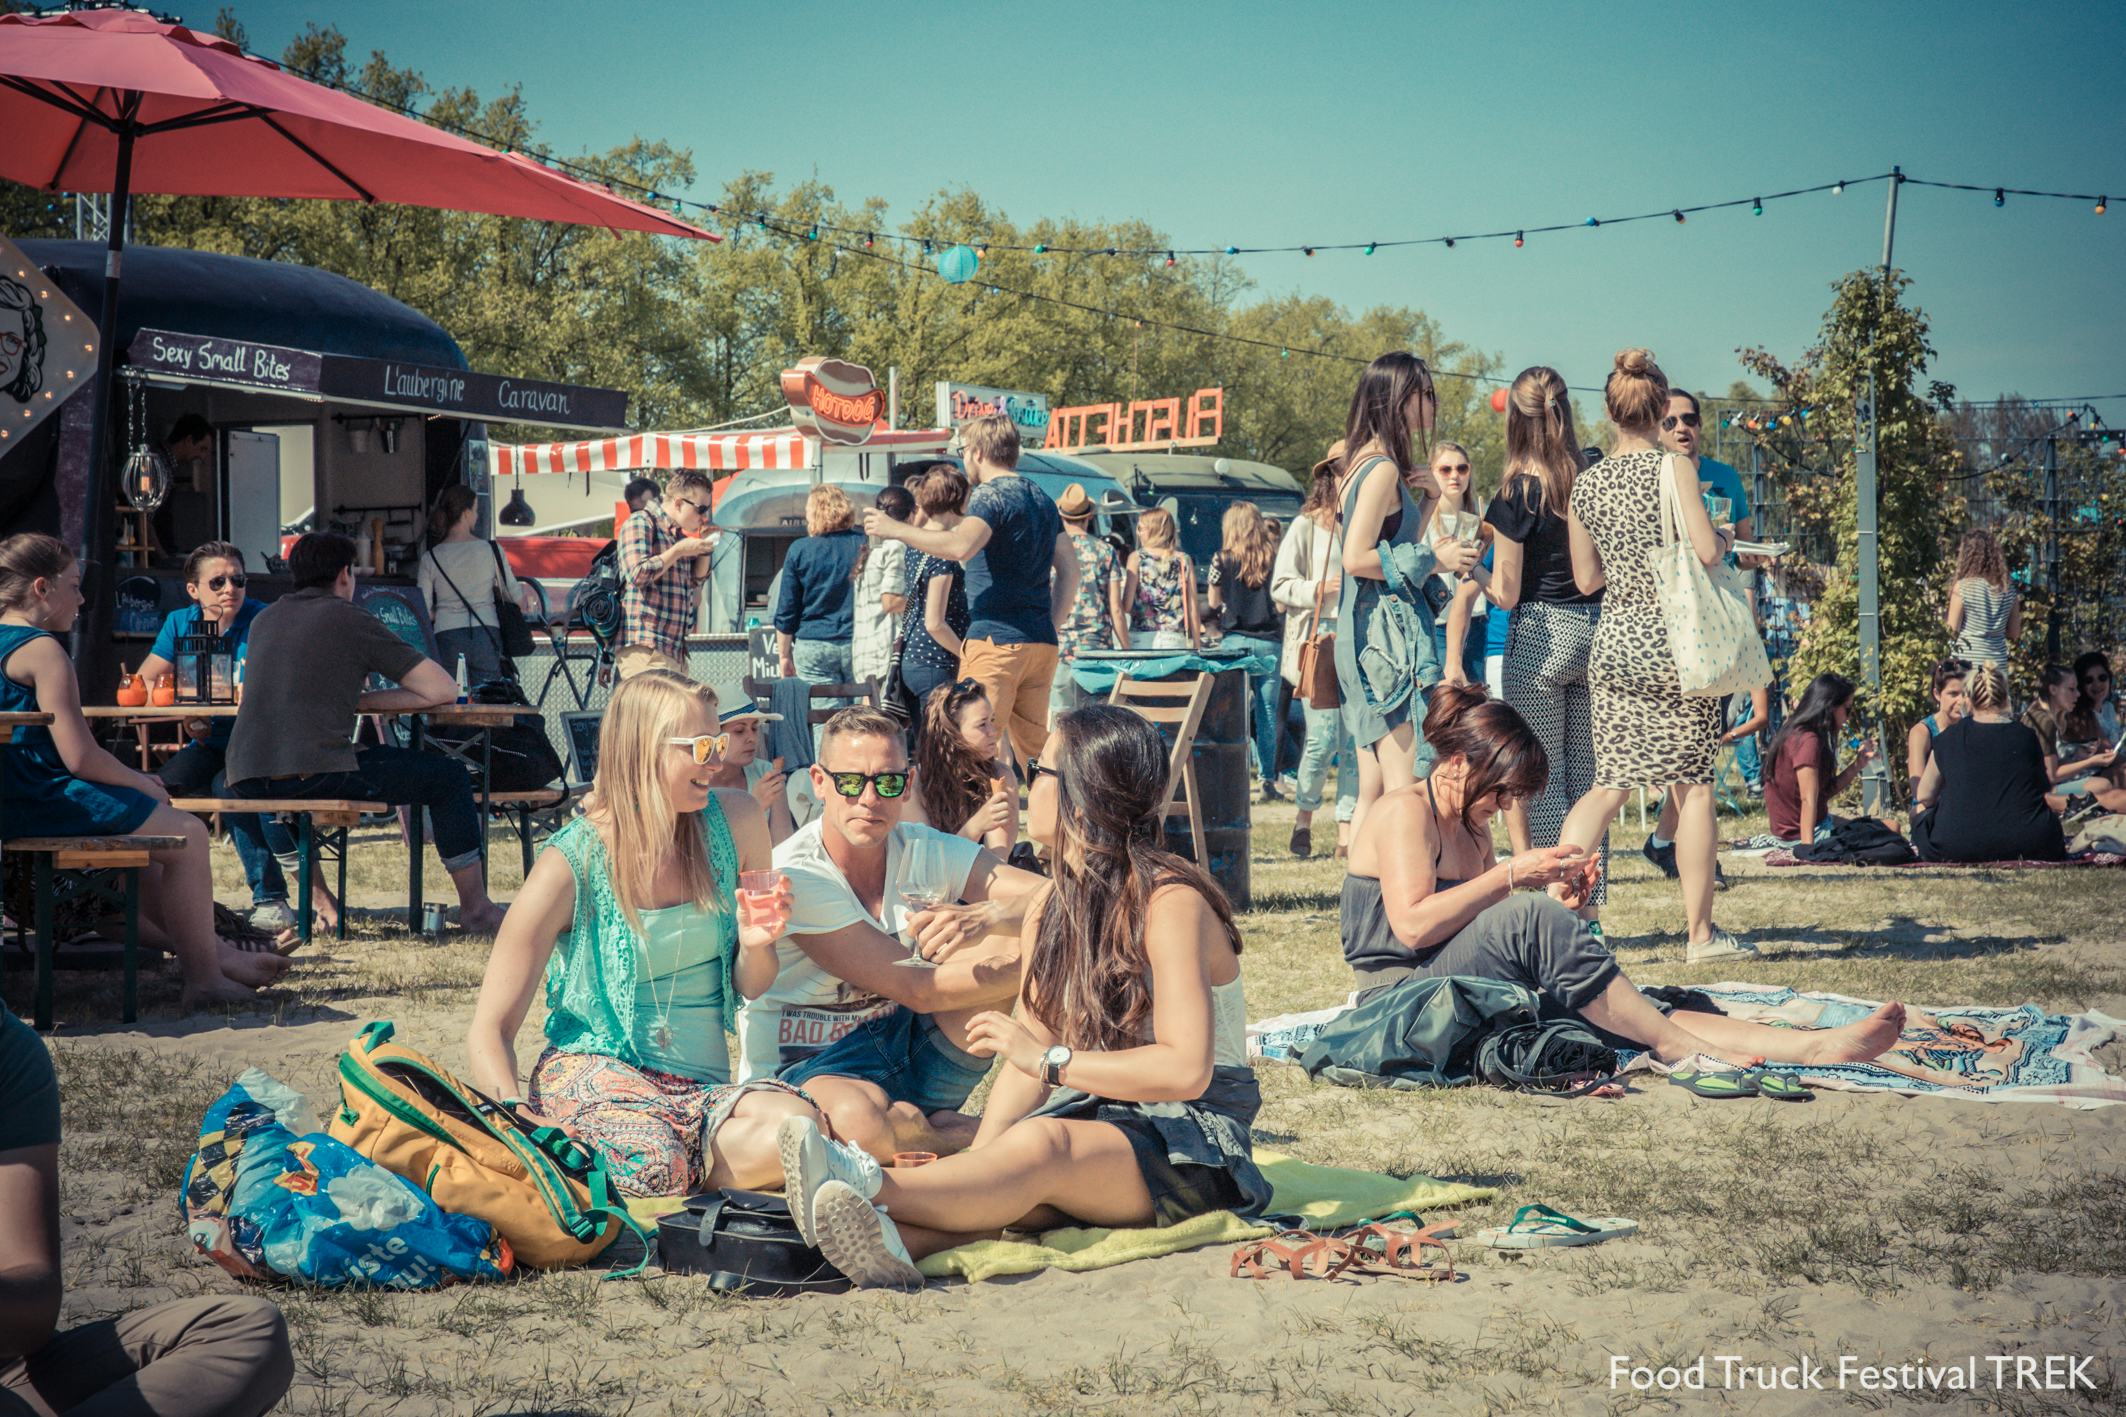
(400, 608)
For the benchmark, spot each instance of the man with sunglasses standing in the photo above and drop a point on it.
(1682, 433)
(870, 1027)
(664, 558)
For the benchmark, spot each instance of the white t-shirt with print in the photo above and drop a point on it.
(807, 1008)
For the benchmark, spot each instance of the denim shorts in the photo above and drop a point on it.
(906, 1054)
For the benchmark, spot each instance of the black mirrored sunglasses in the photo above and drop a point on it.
(217, 582)
(1689, 420)
(851, 784)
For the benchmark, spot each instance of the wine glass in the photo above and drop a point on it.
(914, 901)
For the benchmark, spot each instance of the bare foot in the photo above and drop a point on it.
(221, 990)
(481, 921)
(1858, 1042)
(252, 970)
(324, 910)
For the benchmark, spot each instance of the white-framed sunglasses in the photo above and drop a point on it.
(707, 747)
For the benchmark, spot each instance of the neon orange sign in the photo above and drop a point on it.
(833, 398)
(1144, 425)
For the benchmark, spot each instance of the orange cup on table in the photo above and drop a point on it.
(165, 693)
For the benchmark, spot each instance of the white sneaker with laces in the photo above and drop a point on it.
(273, 916)
(1720, 945)
(810, 1161)
(861, 1241)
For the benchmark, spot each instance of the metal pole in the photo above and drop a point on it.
(893, 397)
(99, 532)
(2052, 547)
(1875, 781)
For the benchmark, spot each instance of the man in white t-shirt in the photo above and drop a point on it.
(880, 1045)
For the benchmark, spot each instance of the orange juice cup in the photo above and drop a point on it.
(908, 1160)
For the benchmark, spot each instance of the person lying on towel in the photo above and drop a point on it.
(1425, 897)
(882, 965)
(1127, 1099)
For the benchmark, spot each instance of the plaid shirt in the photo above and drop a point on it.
(658, 604)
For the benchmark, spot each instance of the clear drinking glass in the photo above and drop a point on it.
(1719, 508)
(755, 888)
(913, 903)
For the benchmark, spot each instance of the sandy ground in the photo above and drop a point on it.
(1895, 1231)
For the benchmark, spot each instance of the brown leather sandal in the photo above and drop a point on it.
(1300, 1253)
(1382, 1249)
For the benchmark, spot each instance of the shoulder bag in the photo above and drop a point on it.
(1317, 654)
(516, 634)
(1711, 633)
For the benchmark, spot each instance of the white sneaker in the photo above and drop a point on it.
(1720, 945)
(810, 1161)
(861, 1241)
(272, 916)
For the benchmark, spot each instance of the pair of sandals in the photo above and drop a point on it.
(1377, 1248)
(1704, 1078)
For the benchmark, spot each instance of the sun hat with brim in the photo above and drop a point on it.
(1074, 504)
(1331, 458)
(738, 713)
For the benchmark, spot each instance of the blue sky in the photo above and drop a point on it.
(1262, 124)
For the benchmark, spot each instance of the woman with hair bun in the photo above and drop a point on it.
(1646, 731)
(1426, 898)
(1986, 785)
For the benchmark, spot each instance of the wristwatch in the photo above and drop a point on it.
(1053, 1062)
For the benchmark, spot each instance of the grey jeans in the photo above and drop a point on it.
(1526, 939)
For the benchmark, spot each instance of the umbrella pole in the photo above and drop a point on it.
(99, 528)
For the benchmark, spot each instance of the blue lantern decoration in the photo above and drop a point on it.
(957, 263)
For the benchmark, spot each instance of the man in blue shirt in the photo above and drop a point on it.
(215, 579)
(1022, 577)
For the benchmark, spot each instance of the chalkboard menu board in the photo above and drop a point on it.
(400, 607)
(582, 730)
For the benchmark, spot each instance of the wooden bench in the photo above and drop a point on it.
(57, 854)
(320, 823)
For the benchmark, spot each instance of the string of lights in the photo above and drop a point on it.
(864, 241)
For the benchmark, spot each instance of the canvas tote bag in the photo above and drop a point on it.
(1711, 632)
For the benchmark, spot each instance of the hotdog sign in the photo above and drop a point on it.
(833, 398)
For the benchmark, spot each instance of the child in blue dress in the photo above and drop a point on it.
(57, 782)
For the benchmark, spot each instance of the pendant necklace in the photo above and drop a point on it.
(661, 1031)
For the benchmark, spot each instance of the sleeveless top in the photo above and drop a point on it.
(1984, 636)
(1369, 944)
(1229, 1025)
(596, 988)
(1933, 722)
(1161, 602)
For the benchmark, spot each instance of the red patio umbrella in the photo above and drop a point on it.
(119, 101)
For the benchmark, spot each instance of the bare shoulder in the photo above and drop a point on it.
(748, 823)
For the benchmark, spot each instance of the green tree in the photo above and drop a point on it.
(1869, 326)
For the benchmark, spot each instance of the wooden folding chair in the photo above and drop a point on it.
(1178, 703)
(762, 691)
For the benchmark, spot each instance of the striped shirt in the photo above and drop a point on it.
(658, 603)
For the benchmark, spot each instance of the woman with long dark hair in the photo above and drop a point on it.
(1984, 612)
(964, 781)
(1309, 576)
(1804, 777)
(1426, 897)
(1128, 1097)
(1385, 663)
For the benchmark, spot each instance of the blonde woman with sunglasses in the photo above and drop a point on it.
(632, 923)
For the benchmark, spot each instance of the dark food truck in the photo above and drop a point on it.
(324, 405)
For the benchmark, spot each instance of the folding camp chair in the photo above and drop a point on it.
(1179, 704)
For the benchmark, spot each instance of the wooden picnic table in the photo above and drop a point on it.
(25, 720)
(158, 713)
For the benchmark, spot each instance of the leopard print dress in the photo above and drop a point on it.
(1646, 733)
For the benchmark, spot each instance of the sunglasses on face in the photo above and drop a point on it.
(216, 583)
(1688, 420)
(689, 502)
(707, 747)
(1035, 767)
(1452, 467)
(851, 784)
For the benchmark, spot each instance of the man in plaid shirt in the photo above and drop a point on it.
(661, 589)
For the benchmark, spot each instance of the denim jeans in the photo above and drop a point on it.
(195, 770)
(1328, 735)
(402, 778)
(824, 662)
(1262, 703)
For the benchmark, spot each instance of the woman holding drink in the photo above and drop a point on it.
(631, 922)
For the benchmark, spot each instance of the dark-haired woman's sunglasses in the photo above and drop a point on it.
(1035, 767)
(1688, 420)
(239, 580)
(851, 784)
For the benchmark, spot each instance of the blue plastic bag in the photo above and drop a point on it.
(268, 1196)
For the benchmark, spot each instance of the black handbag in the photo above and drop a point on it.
(1559, 1056)
(745, 1242)
(522, 756)
(516, 633)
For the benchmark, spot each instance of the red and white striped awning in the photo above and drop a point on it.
(777, 449)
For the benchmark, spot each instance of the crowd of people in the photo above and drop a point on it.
(876, 959)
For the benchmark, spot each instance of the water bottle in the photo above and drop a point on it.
(464, 687)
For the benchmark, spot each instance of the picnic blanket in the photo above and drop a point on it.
(1319, 1195)
(1946, 1050)
(1784, 856)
